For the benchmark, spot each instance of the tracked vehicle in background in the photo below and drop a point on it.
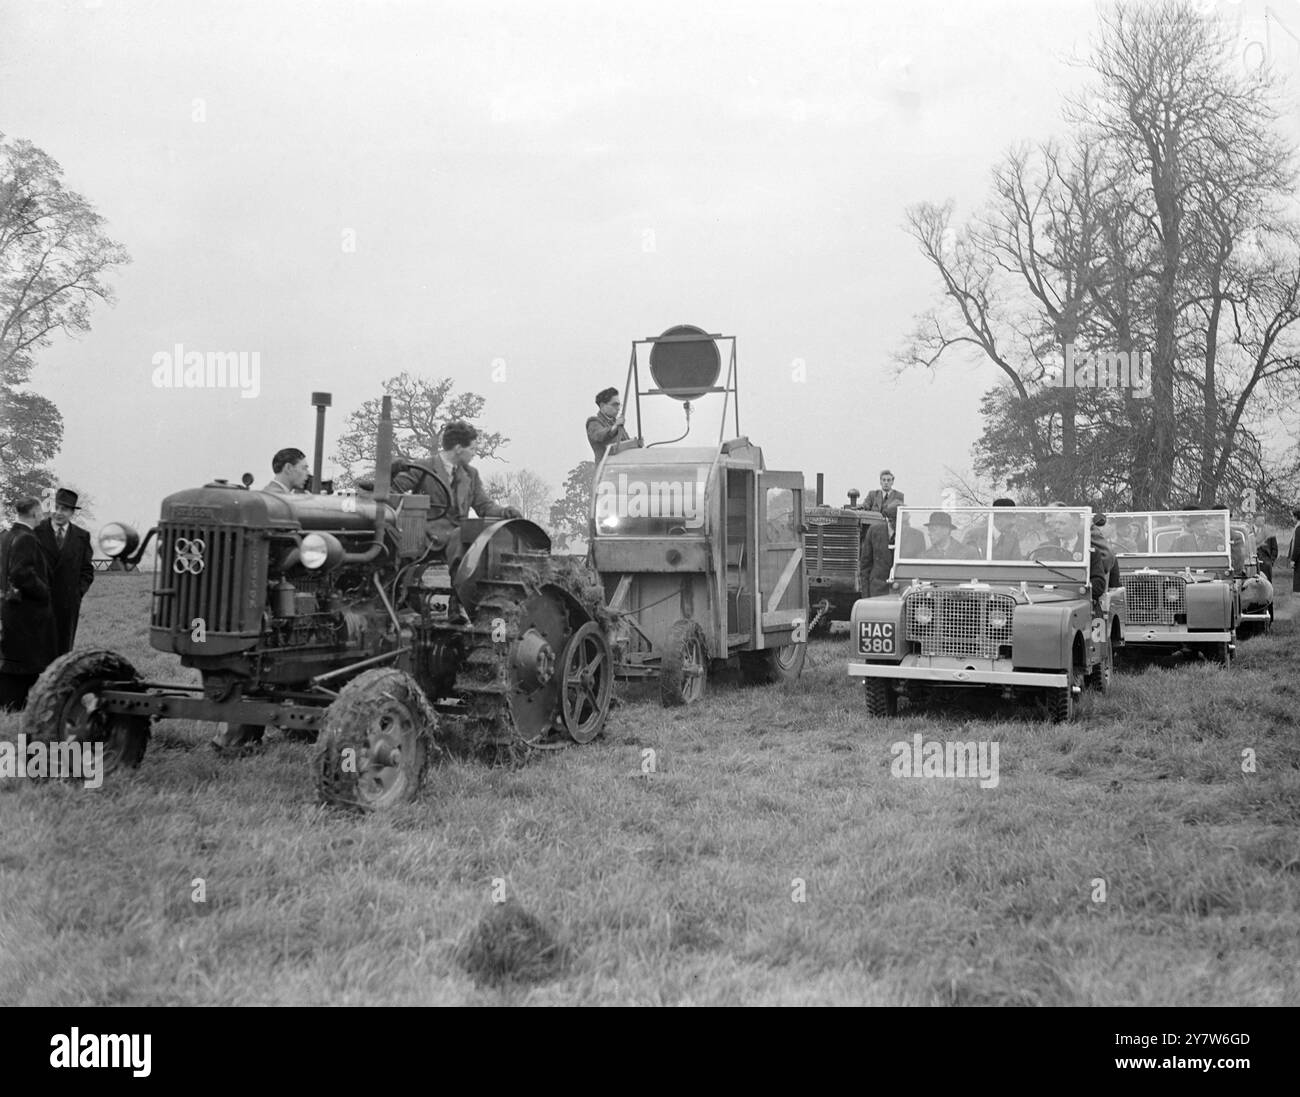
(370, 619)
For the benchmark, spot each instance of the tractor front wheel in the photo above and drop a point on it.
(64, 707)
(374, 743)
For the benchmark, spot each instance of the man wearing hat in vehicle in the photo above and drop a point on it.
(943, 546)
(68, 553)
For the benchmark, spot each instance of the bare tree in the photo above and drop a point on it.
(421, 408)
(54, 255)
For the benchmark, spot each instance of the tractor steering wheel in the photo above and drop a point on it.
(439, 496)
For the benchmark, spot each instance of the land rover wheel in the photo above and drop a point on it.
(64, 707)
(1100, 675)
(374, 743)
(882, 697)
(1063, 703)
(684, 665)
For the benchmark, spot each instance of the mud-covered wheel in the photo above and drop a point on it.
(1063, 703)
(783, 664)
(64, 706)
(882, 697)
(1099, 677)
(684, 665)
(375, 742)
(587, 683)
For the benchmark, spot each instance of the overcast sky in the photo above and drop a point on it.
(531, 185)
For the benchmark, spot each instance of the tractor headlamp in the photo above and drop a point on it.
(320, 551)
(115, 539)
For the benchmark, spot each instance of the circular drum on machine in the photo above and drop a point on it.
(685, 370)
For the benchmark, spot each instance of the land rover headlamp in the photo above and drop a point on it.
(997, 618)
(924, 614)
(1171, 595)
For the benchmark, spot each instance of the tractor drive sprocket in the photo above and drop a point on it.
(511, 676)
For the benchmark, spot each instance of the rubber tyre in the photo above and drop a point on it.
(354, 764)
(1099, 678)
(1063, 704)
(684, 665)
(882, 697)
(783, 664)
(64, 682)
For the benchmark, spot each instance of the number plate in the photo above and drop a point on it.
(876, 637)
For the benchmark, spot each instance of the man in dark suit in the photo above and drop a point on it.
(68, 552)
(28, 637)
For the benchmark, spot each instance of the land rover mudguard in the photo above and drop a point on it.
(1209, 606)
(1044, 635)
(880, 623)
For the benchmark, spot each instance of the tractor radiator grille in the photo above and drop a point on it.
(956, 622)
(833, 549)
(1155, 599)
(202, 572)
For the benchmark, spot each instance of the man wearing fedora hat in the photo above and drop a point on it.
(67, 549)
(943, 546)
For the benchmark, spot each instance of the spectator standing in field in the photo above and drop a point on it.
(28, 635)
(68, 555)
(606, 428)
(882, 497)
(291, 472)
(1293, 553)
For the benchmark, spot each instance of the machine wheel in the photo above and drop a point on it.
(1099, 678)
(684, 666)
(783, 664)
(374, 744)
(63, 707)
(882, 697)
(1063, 703)
(587, 683)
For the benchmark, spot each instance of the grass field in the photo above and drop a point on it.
(680, 887)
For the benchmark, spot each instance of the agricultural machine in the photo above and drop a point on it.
(699, 547)
(372, 619)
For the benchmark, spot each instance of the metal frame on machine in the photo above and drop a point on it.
(729, 390)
